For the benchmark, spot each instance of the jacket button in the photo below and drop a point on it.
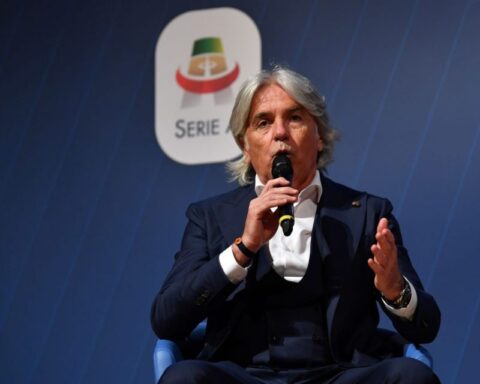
(200, 300)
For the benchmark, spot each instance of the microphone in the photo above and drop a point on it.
(282, 167)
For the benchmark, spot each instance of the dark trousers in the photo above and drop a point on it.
(397, 370)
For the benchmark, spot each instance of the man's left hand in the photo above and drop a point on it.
(388, 279)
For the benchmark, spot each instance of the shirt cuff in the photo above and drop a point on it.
(409, 310)
(234, 271)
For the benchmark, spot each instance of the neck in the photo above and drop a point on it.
(302, 184)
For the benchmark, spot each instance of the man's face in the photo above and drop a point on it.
(277, 123)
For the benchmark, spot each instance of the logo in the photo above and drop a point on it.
(201, 60)
(207, 61)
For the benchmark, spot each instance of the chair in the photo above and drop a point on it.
(167, 352)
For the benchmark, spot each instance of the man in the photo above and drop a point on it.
(299, 308)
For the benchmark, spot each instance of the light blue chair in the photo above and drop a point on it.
(167, 352)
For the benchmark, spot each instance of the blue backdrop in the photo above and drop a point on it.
(92, 211)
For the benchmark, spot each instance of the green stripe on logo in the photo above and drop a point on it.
(207, 45)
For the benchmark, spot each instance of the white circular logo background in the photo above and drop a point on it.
(192, 107)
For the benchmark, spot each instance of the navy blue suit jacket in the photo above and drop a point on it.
(345, 225)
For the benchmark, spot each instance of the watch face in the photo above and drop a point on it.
(404, 298)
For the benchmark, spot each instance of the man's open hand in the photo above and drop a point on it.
(384, 263)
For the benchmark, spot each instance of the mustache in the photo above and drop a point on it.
(282, 148)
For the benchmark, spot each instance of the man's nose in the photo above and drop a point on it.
(280, 130)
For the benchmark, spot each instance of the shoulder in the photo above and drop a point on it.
(235, 197)
(341, 195)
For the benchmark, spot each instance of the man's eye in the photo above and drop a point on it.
(296, 118)
(262, 123)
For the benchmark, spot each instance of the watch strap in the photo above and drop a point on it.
(243, 248)
(403, 300)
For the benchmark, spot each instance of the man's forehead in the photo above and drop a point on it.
(270, 92)
(269, 96)
(266, 111)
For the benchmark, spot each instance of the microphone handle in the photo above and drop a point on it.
(286, 219)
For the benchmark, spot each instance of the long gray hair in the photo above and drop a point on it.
(300, 89)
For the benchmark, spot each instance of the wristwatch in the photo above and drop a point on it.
(247, 252)
(403, 300)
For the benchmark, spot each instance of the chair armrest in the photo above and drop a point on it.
(165, 353)
(419, 353)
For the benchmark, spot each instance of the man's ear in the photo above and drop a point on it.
(245, 147)
(246, 155)
(320, 144)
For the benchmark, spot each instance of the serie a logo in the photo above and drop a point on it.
(208, 70)
(201, 60)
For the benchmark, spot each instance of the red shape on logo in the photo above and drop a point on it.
(207, 86)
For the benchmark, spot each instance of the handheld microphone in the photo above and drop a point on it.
(282, 167)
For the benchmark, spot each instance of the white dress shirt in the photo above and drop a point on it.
(290, 255)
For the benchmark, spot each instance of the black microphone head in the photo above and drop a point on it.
(282, 167)
(287, 225)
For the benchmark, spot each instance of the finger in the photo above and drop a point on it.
(388, 234)
(279, 196)
(289, 194)
(274, 183)
(262, 206)
(266, 204)
(282, 200)
(375, 267)
(379, 255)
(384, 241)
(281, 190)
(382, 224)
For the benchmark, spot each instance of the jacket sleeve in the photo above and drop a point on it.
(424, 325)
(196, 284)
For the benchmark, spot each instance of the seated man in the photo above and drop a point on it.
(300, 308)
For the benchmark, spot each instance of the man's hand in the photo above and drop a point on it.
(388, 279)
(261, 223)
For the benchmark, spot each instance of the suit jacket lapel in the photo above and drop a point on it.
(339, 225)
(232, 212)
(341, 215)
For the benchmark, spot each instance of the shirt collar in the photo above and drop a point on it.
(312, 191)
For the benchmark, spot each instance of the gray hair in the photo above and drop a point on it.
(301, 90)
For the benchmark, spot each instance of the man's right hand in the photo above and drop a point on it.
(261, 223)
